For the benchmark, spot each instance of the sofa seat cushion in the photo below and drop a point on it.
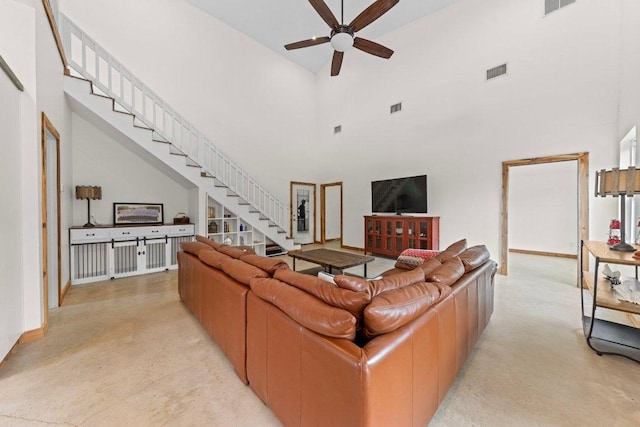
(353, 302)
(306, 309)
(195, 248)
(448, 273)
(411, 258)
(241, 271)
(235, 252)
(270, 265)
(375, 287)
(474, 257)
(453, 250)
(213, 258)
(395, 308)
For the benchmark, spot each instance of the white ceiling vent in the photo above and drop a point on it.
(337, 129)
(395, 108)
(553, 5)
(498, 71)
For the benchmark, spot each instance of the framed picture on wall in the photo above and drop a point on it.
(138, 213)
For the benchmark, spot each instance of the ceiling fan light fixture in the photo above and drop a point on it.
(342, 42)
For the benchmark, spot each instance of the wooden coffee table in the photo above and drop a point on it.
(330, 259)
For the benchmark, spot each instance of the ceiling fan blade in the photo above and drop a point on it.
(372, 47)
(306, 43)
(336, 63)
(325, 13)
(370, 14)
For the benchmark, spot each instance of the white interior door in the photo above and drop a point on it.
(303, 196)
(333, 212)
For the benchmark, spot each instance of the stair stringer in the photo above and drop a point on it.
(99, 111)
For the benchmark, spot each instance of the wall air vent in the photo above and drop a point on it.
(337, 129)
(396, 108)
(553, 5)
(498, 71)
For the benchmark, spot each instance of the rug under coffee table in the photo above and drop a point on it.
(330, 259)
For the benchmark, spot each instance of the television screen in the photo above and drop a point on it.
(400, 195)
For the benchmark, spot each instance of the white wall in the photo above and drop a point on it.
(572, 86)
(11, 291)
(123, 176)
(254, 104)
(560, 96)
(543, 207)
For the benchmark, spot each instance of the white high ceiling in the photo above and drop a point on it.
(275, 23)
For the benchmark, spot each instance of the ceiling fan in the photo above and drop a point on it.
(342, 36)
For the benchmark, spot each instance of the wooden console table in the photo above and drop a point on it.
(603, 336)
(390, 235)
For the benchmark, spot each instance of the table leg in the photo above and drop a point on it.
(294, 264)
(365, 270)
(330, 270)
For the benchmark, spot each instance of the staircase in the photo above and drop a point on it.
(110, 97)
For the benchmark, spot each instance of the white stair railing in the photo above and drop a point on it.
(94, 63)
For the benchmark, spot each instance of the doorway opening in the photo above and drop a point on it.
(302, 199)
(331, 212)
(51, 254)
(582, 160)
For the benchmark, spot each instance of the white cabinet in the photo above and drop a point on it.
(110, 252)
(224, 226)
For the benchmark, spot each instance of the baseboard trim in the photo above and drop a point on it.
(66, 288)
(352, 248)
(542, 253)
(34, 334)
(4, 360)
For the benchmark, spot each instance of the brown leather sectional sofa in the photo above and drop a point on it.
(355, 353)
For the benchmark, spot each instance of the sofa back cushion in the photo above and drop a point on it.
(474, 257)
(213, 258)
(241, 271)
(448, 273)
(195, 248)
(453, 250)
(353, 302)
(234, 252)
(375, 287)
(429, 265)
(395, 308)
(270, 265)
(306, 309)
(207, 241)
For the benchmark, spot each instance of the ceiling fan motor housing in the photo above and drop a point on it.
(342, 38)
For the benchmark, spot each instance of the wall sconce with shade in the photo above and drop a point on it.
(619, 183)
(90, 193)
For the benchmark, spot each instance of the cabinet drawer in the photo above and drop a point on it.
(181, 230)
(89, 235)
(124, 233)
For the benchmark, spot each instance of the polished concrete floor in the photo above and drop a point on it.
(127, 353)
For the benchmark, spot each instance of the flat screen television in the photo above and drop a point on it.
(399, 195)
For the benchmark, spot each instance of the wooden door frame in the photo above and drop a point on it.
(323, 214)
(292, 209)
(48, 126)
(583, 198)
